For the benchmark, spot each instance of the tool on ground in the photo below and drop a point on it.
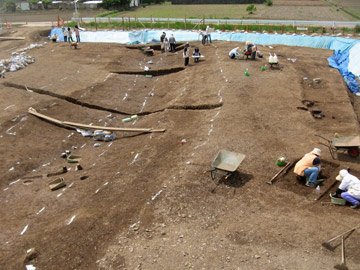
(342, 266)
(57, 183)
(273, 179)
(225, 163)
(350, 144)
(327, 243)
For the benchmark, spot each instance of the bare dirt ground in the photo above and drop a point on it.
(145, 202)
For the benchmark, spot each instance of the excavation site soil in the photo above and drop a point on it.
(145, 200)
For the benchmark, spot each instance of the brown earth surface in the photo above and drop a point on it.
(146, 202)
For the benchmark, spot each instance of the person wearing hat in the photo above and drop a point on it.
(349, 188)
(234, 53)
(309, 165)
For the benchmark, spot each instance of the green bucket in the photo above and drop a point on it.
(338, 201)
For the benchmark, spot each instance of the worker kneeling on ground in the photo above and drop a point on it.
(309, 165)
(234, 53)
(250, 49)
(196, 54)
(349, 189)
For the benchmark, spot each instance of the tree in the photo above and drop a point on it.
(251, 9)
(10, 6)
(46, 3)
(115, 4)
(269, 2)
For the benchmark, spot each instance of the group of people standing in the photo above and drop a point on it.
(167, 44)
(67, 33)
(206, 36)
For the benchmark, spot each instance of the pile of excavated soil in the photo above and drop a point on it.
(142, 201)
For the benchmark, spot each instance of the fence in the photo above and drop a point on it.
(270, 26)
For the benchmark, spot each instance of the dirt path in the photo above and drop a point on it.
(145, 202)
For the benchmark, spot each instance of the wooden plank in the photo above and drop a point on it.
(77, 125)
(12, 38)
(272, 180)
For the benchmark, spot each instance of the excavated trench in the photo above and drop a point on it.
(154, 72)
(157, 46)
(96, 107)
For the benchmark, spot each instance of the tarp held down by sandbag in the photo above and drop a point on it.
(347, 47)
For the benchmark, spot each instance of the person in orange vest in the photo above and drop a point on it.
(309, 165)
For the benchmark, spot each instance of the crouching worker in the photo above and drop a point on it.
(234, 53)
(196, 54)
(54, 37)
(309, 165)
(349, 188)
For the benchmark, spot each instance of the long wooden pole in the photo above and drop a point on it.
(77, 125)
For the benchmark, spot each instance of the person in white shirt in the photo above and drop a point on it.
(208, 35)
(234, 53)
(349, 188)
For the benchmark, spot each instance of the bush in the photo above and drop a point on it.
(251, 9)
(46, 3)
(10, 6)
(115, 4)
(357, 28)
(269, 2)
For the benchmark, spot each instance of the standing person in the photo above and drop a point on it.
(349, 188)
(162, 37)
(77, 34)
(172, 43)
(70, 35)
(166, 46)
(65, 34)
(203, 37)
(186, 54)
(208, 35)
(309, 165)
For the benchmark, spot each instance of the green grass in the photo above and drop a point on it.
(190, 11)
(221, 27)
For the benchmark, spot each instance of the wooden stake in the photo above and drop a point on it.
(151, 21)
(272, 180)
(185, 22)
(168, 22)
(95, 24)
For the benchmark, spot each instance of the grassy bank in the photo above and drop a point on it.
(222, 27)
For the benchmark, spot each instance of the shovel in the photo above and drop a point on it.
(342, 266)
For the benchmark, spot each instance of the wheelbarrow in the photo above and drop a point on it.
(347, 144)
(225, 164)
